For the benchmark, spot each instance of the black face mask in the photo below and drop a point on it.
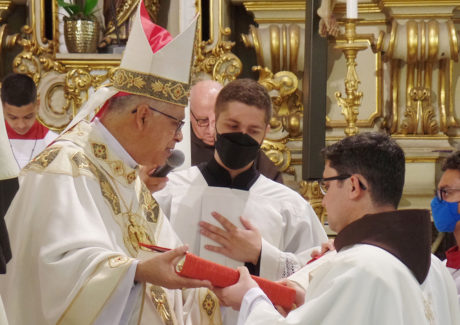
(236, 150)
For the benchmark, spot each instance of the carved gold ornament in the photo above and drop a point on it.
(218, 61)
(311, 192)
(285, 42)
(350, 104)
(63, 89)
(423, 45)
(286, 98)
(35, 60)
(5, 8)
(278, 153)
(420, 118)
(123, 12)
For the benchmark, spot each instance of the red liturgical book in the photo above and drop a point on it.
(192, 266)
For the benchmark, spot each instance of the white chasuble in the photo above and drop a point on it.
(75, 227)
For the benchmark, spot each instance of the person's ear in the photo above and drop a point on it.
(355, 189)
(140, 116)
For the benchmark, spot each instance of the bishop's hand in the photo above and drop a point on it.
(161, 270)
(243, 245)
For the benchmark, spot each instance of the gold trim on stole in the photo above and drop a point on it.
(99, 287)
(160, 301)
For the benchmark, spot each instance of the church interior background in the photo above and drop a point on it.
(393, 67)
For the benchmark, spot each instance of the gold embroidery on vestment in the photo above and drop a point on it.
(118, 261)
(137, 232)
(83, 162)
(137, 220)
(117, 166)
(209, 304)
(149, 205)
(99, 150)
(428, 306)
(43, 159)
(161, 303)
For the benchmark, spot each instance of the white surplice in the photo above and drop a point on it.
(75, 227)
(27, 146)
(287, 223)
(362, 284)
(455, 273)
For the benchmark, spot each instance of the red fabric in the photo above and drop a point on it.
(37, 131)
(453, 258)
(222, 276)
(156, 35)
(106, 104)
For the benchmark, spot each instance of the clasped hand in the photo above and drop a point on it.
(233, 295)
(243, 245)
(161, 270)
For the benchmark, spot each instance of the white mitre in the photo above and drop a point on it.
(9, 167)
(163, 75)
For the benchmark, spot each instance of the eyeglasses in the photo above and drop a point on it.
(180, 123)
(444, 192)
(202, 122)
(323, 186)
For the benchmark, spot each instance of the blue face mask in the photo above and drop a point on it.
(445, 214)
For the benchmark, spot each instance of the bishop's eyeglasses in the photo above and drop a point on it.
(324, 182)
(180, 123)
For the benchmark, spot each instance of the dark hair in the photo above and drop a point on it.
(18, 90)
(452, 161)
(246, 91)
(378, 158)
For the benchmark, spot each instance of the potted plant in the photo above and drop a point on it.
(81, 28)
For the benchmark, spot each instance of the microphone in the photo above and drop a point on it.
(175, 160)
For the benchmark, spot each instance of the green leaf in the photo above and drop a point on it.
(71, 9)
(89, 7)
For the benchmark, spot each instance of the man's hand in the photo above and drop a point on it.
(299, 295)
(325, 247)
(154, 184)
(161, 270)
(243, 245)
(233, 295)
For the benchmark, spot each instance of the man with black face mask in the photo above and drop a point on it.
(231, 214)
(202, 100)
(446, 211)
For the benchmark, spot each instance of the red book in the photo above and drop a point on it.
(192, 266)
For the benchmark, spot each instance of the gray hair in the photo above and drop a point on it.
(126, 103)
